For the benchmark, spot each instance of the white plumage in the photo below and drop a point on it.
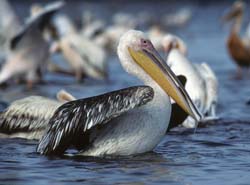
(140, 130)
(84, 56)
(9, 26)
(28, 117)
(29, 50)
(123, 122)
(202, 84)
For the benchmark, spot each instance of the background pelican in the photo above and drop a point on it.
(156, 35)
(28, 117)
(29, 51)
(201, 81)
(124, 122)
(211, 84)
(9, 26)
(239, 48)
(108, 36)
(84, 56)
(178, 19)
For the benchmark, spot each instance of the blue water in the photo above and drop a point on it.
(217, 153)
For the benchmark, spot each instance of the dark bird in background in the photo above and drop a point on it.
(239, 48)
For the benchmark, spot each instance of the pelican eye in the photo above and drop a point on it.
(146, 44)
(144, 41)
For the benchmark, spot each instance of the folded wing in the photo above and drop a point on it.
(72, 120)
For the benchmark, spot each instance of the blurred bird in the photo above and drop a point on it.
(113, 34)
(247, 33)
(145, 19)
(64, 26)
(178, 19)
(84, 56)
(49, 31)
(94, 29)
(122, 19)
(170, 42)
(211, 84)
(9, 26)
(108, 37)
(239, 48)
(201, 82)
(29, 51)
(156, 35)
(28, 117)
(88, 17)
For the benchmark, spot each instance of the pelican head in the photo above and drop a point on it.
(235, 11)
(170, 41)
(139, 58)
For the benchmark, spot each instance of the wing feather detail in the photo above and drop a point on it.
(72, 120)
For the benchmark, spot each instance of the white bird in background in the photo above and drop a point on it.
(156, 35)
(84, 56)
(9, 26)
(28, 117)
(211, 83)
(247, 34)
(88, 17)
(113, 34)
(202, 84)
(178, 19)
(94, 29)
(124, 19)
(124, 122)
(29, 51)
(107, 36)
